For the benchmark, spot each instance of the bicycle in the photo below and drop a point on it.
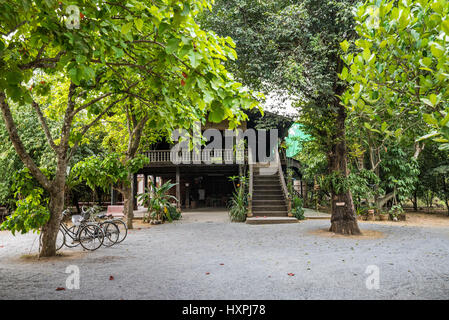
(93, 217)
(88, 235)
(110, 228)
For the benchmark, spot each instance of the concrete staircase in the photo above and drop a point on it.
(268, 202)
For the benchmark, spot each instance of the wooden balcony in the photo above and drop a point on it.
(202, 157)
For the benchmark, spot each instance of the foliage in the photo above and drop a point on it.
(335, 181)
(399, 173)
(31, 211)
(297, 208)
(34, 141)
(362, 185)
(238, 205)
(398, 65)
(395, 211)
(107, 170)
(159, 202)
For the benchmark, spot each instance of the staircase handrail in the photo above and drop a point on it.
(284, 185)
(250, 187)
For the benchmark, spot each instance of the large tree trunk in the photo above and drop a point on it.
(415, 200)
(50, 229)
(343, 219)
(128, 201)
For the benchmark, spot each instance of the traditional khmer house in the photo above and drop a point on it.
(202, 177)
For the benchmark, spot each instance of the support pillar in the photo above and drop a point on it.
(134, 189)
(145, 182)
(178, 187)
(113, 196)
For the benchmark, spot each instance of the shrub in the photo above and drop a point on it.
(238, 205)
(297, 209)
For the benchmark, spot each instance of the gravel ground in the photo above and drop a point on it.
(205, 257)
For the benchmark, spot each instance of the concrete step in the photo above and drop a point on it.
(265, 208)
(263, 193)
(267, 187)
(268, 202)
(266, 181)
(269, 197)
(271, 213)
(267, 177)
(270, 220)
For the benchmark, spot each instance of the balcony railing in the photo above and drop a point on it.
(204, 156)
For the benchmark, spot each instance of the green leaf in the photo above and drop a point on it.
(14, 77)
(139, 24)
(436, 49)
(194, 58)
(344, 74)
(427, 136)
(172, 45)
(126, 27)
(430, 119)
(445, 26)
(217, 114)
(344, 45)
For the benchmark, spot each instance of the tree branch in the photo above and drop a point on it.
(18, 144)
(88, 126)
(45, 126)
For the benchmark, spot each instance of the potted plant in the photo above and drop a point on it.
(361, 213)
(370, 214)
(397, 213)
(158, 202)
(383, 216)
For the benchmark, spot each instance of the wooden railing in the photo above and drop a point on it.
(284, 185)
(250, 188)
(204, 156)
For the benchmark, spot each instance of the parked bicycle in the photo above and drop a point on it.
(93, 216)
(89, 235)
(111, 230)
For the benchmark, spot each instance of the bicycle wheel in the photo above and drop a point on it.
(60, 239)
(111, 233)
(122, 228)
(72, 242)
(91, 237)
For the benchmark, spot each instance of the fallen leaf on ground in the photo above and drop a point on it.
(221, 264)
(60, 288)
(291, 274)
(111, 277)
(207, 273)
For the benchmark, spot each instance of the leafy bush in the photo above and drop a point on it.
(238, 205)
(158, 202)
(173, 213)
(395, 211)
(31, 207)
(297, 209)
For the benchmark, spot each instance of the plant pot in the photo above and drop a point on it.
(402, 217)
(383, 217)
(370, 216)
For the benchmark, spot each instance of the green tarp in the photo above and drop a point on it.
(294, 140)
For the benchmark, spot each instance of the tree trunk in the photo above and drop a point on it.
(415, 201)
(128, 202)
(50, 229)
(343, 219)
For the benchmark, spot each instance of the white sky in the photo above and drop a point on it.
(279, 104)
